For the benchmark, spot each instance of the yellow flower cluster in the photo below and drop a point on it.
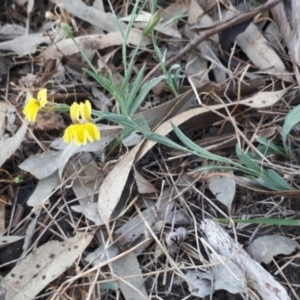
(34, 105)
(83, 129)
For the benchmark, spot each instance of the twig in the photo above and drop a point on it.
(213, 29)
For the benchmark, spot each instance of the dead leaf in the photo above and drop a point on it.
(264, 248)
(89, 211)
(10, 145)
(199, 283)
(49, 160)
(135, 229)
(42, 266)
(223, 187)
(91, 15)
(43, 190)
(256, 47)
(88, 179)
(112, 187)
(26, 44)
(143, 185)
(91, 42)
(9, 239)
(132, 288)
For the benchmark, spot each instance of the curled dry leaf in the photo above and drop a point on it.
(42, 266)
(264, 248)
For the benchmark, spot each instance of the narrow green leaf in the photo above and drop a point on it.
(291, 119)
(276, 149)
(142, 94)
(197, 149)
(278, 179)
(247, 161)
(134, 89)
(158, 138)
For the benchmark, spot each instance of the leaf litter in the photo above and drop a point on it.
(144, 206)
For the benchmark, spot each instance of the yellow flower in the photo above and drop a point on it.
(84, 129)
(34, 105)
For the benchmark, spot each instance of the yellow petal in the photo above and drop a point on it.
(31, 108)
(68, 134)
(86, 110)
(92, 132)
(79, 137)
(74, 112)
(42, 97)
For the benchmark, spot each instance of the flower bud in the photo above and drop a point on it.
(152, 23)
(66, 28)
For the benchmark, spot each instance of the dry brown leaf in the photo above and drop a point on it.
(26, 44)
(49, 160)
(42, 266)
(9, 239)
(256, 47)
(133, 288)
(143, 185)
(223, 187)
(112, 187)
(264, 248)
(43, 190)
(91, 15)
(88, 178)
(92, 42)
(208, 51)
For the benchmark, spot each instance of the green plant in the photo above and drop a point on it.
(132, 93)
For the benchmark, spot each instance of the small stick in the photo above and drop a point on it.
(257, 277)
